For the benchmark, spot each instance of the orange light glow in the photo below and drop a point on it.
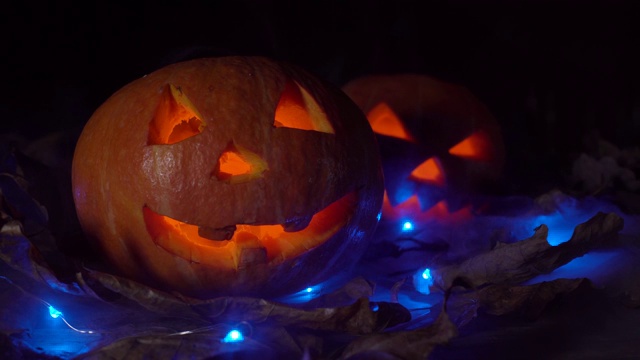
(182, 239)
(237, 164)
(297, 109)
(411, 209)
(232, 164)
(429, 171)
(175, 119)
(384, 121)
(477, 146)
(403, 211)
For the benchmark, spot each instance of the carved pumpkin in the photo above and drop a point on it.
(234, 175)
(438, 142)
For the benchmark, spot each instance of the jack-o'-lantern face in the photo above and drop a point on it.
(230, 175)
(438, 144)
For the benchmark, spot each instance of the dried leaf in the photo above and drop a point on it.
(529, 300)
(357, 318)
(395, 289)
(526, 300)
(526, 259)
(192, 346)
(149, 298)
(353, 290)
(18, 252)
(409, 344)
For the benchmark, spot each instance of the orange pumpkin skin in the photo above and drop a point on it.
(128, 179)
(434, 117)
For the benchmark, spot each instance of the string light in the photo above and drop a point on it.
(233, 336)
(407, 226)
(426, 274)
(302, 296)
(423, 280)
(55, 313)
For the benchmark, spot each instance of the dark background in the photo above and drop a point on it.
(552, 72)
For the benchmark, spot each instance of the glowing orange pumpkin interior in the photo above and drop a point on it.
(411, 208)
(182, 239)
(384, 121)
(476, 146)
(297, 109)
(429, 171)
(237, 164)
(175, 118)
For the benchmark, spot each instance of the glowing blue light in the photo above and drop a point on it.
(233, 336)
(423, 280)
(407, 226)
(426, 274)
(309, 289)
(379, 216)
(54, 312)
(374, 307)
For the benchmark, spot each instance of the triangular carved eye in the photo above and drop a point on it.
(384, 121)
(476, 146)
(429, 171)
(175, 118)
(297, 109)
(237, 165)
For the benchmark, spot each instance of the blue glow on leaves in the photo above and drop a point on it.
(598, 266)
(407, 226)
(423, 280)
(233, 336)
(54, 312)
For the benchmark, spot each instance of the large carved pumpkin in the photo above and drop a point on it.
(439, 144)
(234, 175)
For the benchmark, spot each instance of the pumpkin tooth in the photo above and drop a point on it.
(252, 256)
(217, 234)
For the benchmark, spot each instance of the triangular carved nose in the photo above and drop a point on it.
(237, 164)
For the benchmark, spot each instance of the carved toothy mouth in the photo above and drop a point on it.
(272, 241)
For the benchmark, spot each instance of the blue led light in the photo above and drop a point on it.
(426, 274)
(54, 312)
(309, 289)
(379, 216)
(423, 281)
(407, 226)
(233, 336)
(375, 307)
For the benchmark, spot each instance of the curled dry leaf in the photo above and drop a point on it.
(356, 318)
(526, 300)
(17, 251)
(353, 290)
(408, 344)
(526, 259)
(192, 346)
(529, 300)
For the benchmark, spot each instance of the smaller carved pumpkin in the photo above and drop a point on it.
(438, 142)
(233, 175)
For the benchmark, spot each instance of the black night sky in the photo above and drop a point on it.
(550, 71)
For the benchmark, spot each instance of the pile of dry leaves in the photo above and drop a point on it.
(129, 320)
